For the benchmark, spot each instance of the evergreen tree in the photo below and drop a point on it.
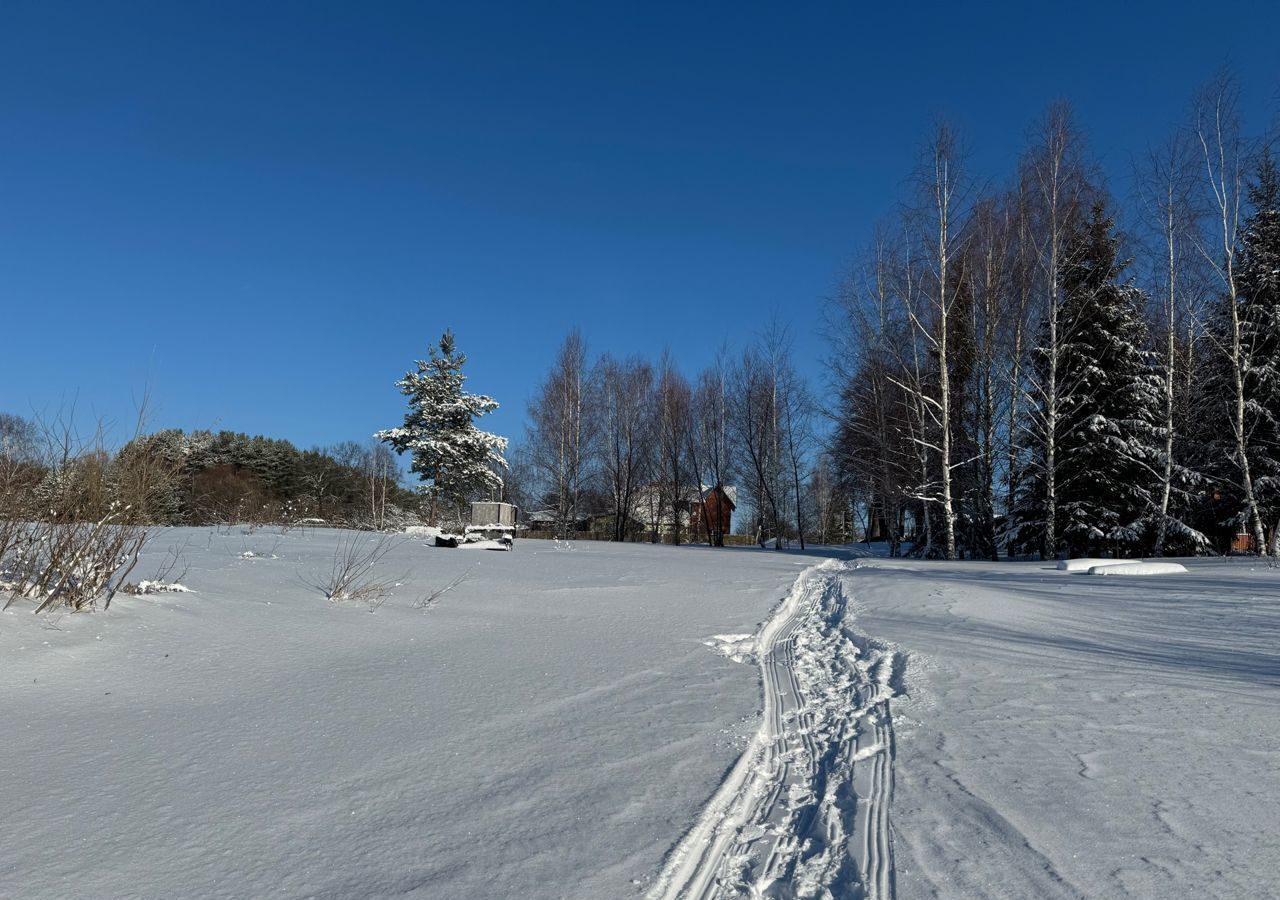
(1110, 382)
(975, 517)
(1259, 282)
(1211, 444)
(454, 459)
(1182, 529)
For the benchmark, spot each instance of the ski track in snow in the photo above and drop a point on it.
(805, 810)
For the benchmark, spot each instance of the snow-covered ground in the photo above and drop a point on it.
(805, 811)
(613, 721)
(1071, 736)
(549, 728)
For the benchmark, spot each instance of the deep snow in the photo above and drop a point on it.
(1068, 736)
(588, 723)
(547, 730)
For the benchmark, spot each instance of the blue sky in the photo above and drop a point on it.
(270, 209)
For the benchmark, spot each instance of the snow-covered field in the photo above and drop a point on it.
(613, 721)
(548, 729)
(1072, 736)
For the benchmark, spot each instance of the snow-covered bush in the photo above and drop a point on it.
(168, 576)
(156, 587)
(74, 565)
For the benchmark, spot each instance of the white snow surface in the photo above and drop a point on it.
(572, 723)
(548, 729)
(1084, 563)
(805, 811)
(1096, 737)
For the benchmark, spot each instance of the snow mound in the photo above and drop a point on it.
(162, 587)
(1084, 564)
(1139, 568)
(421, 531)
(740, 648)
(484, 545)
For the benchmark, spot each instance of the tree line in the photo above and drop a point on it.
(630, 447)
(1015, 374)
(171, 477)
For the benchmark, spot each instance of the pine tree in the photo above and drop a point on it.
(1109, 385)
(455, 460)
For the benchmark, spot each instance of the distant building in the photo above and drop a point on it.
(699, 514)
(541, 519)
(714, 515)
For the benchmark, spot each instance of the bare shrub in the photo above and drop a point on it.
(164, 580)
(68, 539)
(352, 574)
(248, 552)
(175, 557)
(10, 530)
(426, 601)
(20, 471)
(72, 565)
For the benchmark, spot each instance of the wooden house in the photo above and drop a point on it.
(698, 513)
(713, 516)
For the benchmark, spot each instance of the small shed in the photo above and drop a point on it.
(715, 514)
(488, 512)
(492, 521)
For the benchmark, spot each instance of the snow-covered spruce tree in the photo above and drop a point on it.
(455, 460)
(1109, 384)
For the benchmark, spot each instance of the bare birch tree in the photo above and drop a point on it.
(875, 416)
(1058, 188)
(943, 188)
(753, 423)
(672, 419)
(1216, 127)
(792, 411)
(562, 430)
(1167, 192)
(624, 390)
(993, 320)
(929, 309)
(709, 447)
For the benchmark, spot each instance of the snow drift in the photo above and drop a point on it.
(544, 731)
(1083, 564)
(1139, 568)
